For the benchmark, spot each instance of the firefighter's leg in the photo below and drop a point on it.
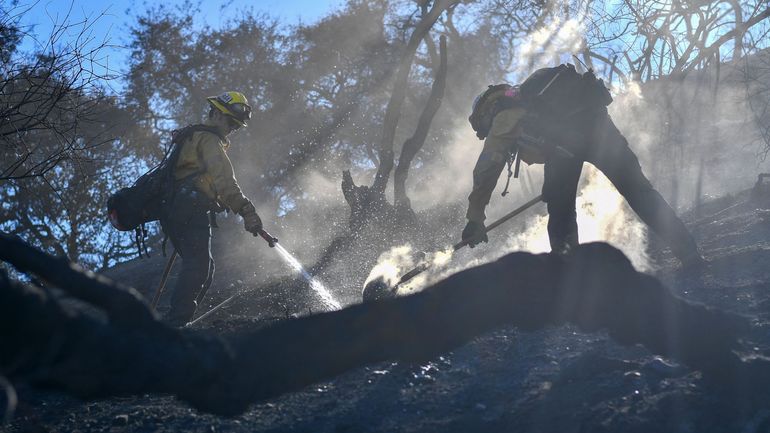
(610, 154)
(193, 243)
(561, 176)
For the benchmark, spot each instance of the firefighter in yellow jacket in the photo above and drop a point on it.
(205, 184)
(558, 117)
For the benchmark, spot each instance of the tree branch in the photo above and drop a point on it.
(393, 111)
(415, 142)
(595, 287)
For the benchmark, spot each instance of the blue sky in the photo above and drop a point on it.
(112, 19)
(120, 13)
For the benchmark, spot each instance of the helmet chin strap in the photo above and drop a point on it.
(222, 121)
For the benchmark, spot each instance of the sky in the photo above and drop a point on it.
(111, 20)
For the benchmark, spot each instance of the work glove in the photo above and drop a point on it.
(475, 233)
(251, 221)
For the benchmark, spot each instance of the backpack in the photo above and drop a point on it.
(147, 198)
(562, 92)
(496, 98)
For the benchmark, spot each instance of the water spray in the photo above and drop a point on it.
(325, 296)
(271, 240)
(378, 288)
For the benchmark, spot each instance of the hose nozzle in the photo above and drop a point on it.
(271, 240)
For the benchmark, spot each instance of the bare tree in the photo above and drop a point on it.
(400, 86)
(56, 89)
(635, 39)
(756, 79)
(413, 144)
(60, 155)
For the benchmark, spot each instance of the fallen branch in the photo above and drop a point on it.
(595, 288)
(122, 304)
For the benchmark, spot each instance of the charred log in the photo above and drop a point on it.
(122, 304)
(595, 287)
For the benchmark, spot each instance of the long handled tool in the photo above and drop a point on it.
(162, 285)
(375, 286)
(271, 241)
(213, 310)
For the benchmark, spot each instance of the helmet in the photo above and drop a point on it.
(233, 105)
(510, 92)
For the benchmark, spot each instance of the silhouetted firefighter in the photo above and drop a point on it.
(205, 184)
(559, 118)
(194, 182)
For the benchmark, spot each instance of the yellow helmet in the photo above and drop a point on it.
(233, 105)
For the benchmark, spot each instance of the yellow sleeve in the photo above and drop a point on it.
(219, 170)
(499, 144)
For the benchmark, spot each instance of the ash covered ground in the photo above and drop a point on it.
(553, 380)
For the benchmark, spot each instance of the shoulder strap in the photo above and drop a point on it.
(180, 135)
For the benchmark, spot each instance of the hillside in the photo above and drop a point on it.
(553, 380)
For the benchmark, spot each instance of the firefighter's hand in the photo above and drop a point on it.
(252, 223)
(474, 233)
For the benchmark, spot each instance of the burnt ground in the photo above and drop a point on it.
(552, 380)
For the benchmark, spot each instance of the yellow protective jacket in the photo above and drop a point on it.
(499, 144)
(203, 153)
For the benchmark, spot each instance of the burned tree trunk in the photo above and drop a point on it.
(595, 287)
(416, 141)
(393, 111)
(371, 214)
(366, 205)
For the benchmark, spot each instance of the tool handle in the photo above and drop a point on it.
(422, 267)
(162, 284)
(271, 240)
(503, 219)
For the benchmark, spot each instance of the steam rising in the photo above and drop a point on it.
(550, 42)
(674, 142)
(602, 215)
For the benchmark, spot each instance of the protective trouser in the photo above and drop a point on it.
(604, 146)
(189, 230)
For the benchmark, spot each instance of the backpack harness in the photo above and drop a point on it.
(149, 197)
(560, 91)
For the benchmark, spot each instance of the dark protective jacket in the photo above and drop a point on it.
(553, 104)
(498, 146)
(577, 131)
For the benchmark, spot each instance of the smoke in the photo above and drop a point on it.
(678, 131)
(392, 264)
(546, 45)
(695, 135)
(397, 261)
(602, 215)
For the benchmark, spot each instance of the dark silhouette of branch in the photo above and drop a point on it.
(393, 110)
(595, 287)
(46, 103)
(122, 304)
(413, 144)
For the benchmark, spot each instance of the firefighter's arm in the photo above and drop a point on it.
(497, 146)
(220, 170)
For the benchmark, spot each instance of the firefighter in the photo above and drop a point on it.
(559, 117)
(204, 183)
